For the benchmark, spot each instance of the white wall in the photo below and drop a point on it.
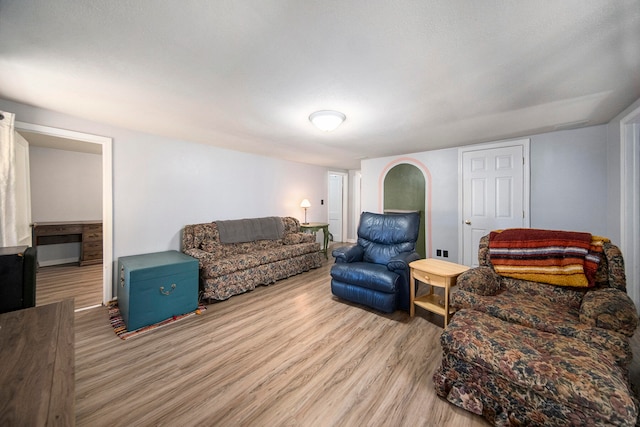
(568, 185)
(65, 185)
(161, 184)
(569, 180)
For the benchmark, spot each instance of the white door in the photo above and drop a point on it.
(493, 194)
(335, 206)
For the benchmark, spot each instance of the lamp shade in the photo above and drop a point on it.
(327, 120)
(305, 203)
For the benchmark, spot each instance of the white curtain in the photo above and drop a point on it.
(8, 227)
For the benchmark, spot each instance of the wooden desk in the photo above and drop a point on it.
(437, 274)
(37, 384)
(88, 233)
(313, 227)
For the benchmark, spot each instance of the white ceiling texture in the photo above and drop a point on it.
(410, 75)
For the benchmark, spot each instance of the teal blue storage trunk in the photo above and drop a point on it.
(155, 287)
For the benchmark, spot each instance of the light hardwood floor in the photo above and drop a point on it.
(288, 354)
(58, 282)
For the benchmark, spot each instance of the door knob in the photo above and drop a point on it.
(467, 222)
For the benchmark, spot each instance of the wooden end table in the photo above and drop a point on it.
(437, 274)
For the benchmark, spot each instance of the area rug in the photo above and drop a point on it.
(120, 328)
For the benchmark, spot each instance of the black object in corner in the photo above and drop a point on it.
(17, 278)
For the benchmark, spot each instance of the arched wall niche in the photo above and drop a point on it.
(405, 185)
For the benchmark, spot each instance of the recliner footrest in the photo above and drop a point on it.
(382, 301)
(507, 371)
(371, 276)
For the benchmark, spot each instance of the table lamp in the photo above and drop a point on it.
(305, 204)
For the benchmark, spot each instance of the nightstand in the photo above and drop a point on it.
(437, 274)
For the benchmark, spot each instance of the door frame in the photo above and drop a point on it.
(345, 199)
(526, 183)
(107, 193)
(629, 203)
(357, 205)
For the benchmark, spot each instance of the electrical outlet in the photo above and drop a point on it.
(445, 254)
(322, 201)
(438, 252)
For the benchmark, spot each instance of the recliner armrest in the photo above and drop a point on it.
(402, 260)
(480, 280)
(609, 309)
(348, 253)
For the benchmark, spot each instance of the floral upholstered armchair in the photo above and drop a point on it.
(542, 332)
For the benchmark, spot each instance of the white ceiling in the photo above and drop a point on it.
(410, 75)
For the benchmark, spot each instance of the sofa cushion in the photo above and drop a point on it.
(223, 266)
(522, 309)
(559, 296)
(216, 267)
(549, 378)
(223, 287)
(222, 250)
(297, 238)
(285, 252)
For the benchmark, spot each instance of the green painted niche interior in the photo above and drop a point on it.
(404, 190)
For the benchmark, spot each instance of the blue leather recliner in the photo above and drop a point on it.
(375, 272)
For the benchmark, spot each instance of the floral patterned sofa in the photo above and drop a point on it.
(522, 352)
(228, 269)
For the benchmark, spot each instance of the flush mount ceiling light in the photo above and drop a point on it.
(327, 120)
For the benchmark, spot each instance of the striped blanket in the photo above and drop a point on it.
(562, 258)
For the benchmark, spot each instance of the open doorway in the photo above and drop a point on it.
(404, 191)
(76, 147)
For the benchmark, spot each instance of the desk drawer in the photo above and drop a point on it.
(92, 236)
(92, 246)
(92, 255)
(92, 228)
(52, 230)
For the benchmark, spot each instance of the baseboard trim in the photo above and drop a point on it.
(51, 262)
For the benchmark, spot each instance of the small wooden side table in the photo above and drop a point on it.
(437, 274)
(313, 227)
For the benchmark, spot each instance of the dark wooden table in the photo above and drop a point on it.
(87, 233)
(37, 366)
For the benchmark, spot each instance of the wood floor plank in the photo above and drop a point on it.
(288, 354)
(60, 282)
